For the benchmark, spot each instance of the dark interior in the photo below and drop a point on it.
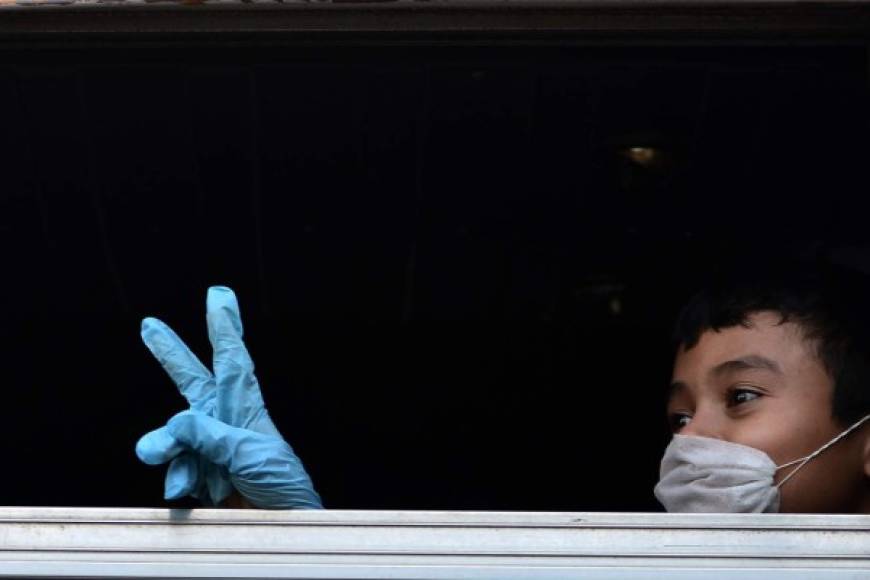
(457, 270)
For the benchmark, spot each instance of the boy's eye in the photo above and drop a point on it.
(740, 396)
(678, 421)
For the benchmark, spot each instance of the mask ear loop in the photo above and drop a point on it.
(804, 460)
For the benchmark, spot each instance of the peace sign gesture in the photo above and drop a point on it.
(226, 439)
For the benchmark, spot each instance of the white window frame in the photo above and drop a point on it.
(411, 545)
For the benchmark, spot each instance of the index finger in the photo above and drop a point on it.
(194, 380)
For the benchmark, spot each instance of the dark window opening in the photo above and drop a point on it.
(458, 267)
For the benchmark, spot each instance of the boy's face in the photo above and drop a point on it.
(764, 387)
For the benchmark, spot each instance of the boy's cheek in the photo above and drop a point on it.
(779, 439)
(787, 428)
(831, 482)
(828, 483)
(824, 484)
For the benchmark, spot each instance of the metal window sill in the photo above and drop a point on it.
(205, 543)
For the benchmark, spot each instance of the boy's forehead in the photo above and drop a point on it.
(764, 336)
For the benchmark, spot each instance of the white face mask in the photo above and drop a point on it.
(701, 474)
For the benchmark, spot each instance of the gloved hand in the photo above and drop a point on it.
(226, 439)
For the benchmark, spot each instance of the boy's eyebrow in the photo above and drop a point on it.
(752, 361)
(748, 362)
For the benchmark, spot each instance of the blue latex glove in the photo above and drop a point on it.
(226, 439)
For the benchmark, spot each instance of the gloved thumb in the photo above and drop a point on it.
(215, 440)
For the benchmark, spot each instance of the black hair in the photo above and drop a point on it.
(828, 303)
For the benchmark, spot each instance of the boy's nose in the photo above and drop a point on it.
(705, 423)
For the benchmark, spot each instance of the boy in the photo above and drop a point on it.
(776, 361)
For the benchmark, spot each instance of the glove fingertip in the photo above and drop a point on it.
(172, 492)
(221, 300)
(148, 321)
(219, 486)
(149, 325)
(219, 297)
(143, 452)
(180, 477)
(157, 447)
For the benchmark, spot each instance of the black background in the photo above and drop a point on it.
(457, 288)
